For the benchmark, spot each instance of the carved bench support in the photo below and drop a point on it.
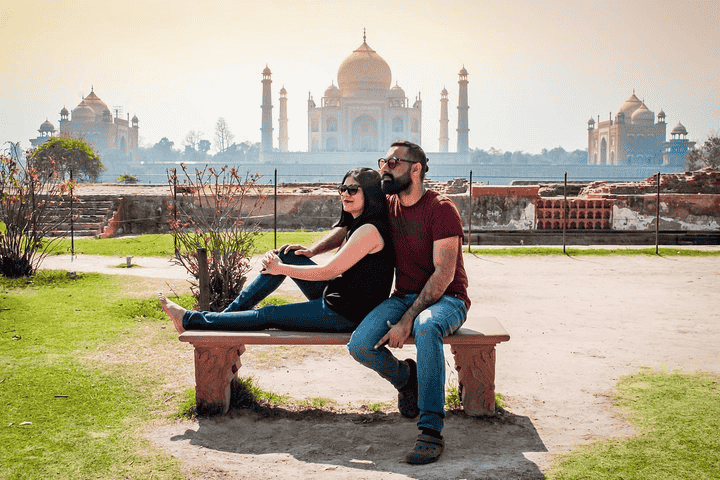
(476, 374)
(215, 368)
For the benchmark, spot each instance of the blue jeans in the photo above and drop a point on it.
(311, 316)
(434, 323)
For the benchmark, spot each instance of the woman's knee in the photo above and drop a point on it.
(291, 258)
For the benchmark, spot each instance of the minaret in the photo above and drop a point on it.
(463, 130)
(266, 130)
(282, 124)
(444, 121)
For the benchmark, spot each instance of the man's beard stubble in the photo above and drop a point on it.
(391, 185)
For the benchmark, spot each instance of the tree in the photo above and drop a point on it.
(163, 151)
(192, 139)
(62, 155)
(223, 137)
(708, 155)
(31, 209)
(204, 147)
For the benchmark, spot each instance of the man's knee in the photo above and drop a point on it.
(425, 327)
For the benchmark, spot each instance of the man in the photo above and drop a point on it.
(429, 301)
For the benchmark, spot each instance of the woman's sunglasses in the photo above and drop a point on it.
(350, 189)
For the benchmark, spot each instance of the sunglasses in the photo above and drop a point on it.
(392, 162)
(350, 189)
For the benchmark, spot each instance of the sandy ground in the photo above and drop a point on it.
(577, 324)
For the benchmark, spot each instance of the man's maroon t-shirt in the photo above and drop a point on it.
(414, 229)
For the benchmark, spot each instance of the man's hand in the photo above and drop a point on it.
(398, 334)
(299, 250)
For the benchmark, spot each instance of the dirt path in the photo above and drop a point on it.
(577, 324)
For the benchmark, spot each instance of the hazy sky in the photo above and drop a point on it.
(538, 70)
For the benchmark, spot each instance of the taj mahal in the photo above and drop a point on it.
(363, 112)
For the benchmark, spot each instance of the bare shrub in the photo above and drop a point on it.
(211, 209)
(29, 204)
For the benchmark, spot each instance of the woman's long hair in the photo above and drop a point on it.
(375, 200)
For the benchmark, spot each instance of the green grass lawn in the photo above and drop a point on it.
(66, 413)
(677, 419)
(161, 245)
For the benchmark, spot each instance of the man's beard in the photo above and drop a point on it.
(391, 185)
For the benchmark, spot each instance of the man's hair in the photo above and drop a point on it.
(415, 153)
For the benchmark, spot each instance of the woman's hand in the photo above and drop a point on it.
(271, 264)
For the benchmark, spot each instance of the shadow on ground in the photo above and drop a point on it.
(325, 443)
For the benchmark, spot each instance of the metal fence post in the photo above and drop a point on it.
(565, 208)
(72, 223)
(203, 280)
(470, 213)
(275, 210)
(657, 217)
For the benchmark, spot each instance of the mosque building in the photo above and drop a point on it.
(93, 122)
(635, 138)
(364, 112)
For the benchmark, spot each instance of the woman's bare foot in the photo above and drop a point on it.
(174, 311)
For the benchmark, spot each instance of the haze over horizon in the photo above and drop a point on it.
(538, 70)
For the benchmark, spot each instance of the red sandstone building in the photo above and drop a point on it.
(93, 122)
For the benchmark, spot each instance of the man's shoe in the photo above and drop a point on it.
(427, 450)
(408, 395)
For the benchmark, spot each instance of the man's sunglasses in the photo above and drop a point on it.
(350, 189)
(392, 162)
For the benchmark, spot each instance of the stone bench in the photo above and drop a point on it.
(217, 360)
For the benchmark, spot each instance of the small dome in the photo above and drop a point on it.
(679, 129)
(266, 71)
(134, 119)
(47, 127)
(643, 115)
(591, 121)
(661, 114)
(332, 91)
(64, 111)
(444, 92)
(463, 72)
(397, 91)
(283, 91)
(630, 105)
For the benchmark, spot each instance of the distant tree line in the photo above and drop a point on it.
(705, 155)
(556, 156)
(197, 149)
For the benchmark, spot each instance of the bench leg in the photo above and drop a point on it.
(215, 367)
(475, 365)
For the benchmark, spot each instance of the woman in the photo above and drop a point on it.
(340, 293)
